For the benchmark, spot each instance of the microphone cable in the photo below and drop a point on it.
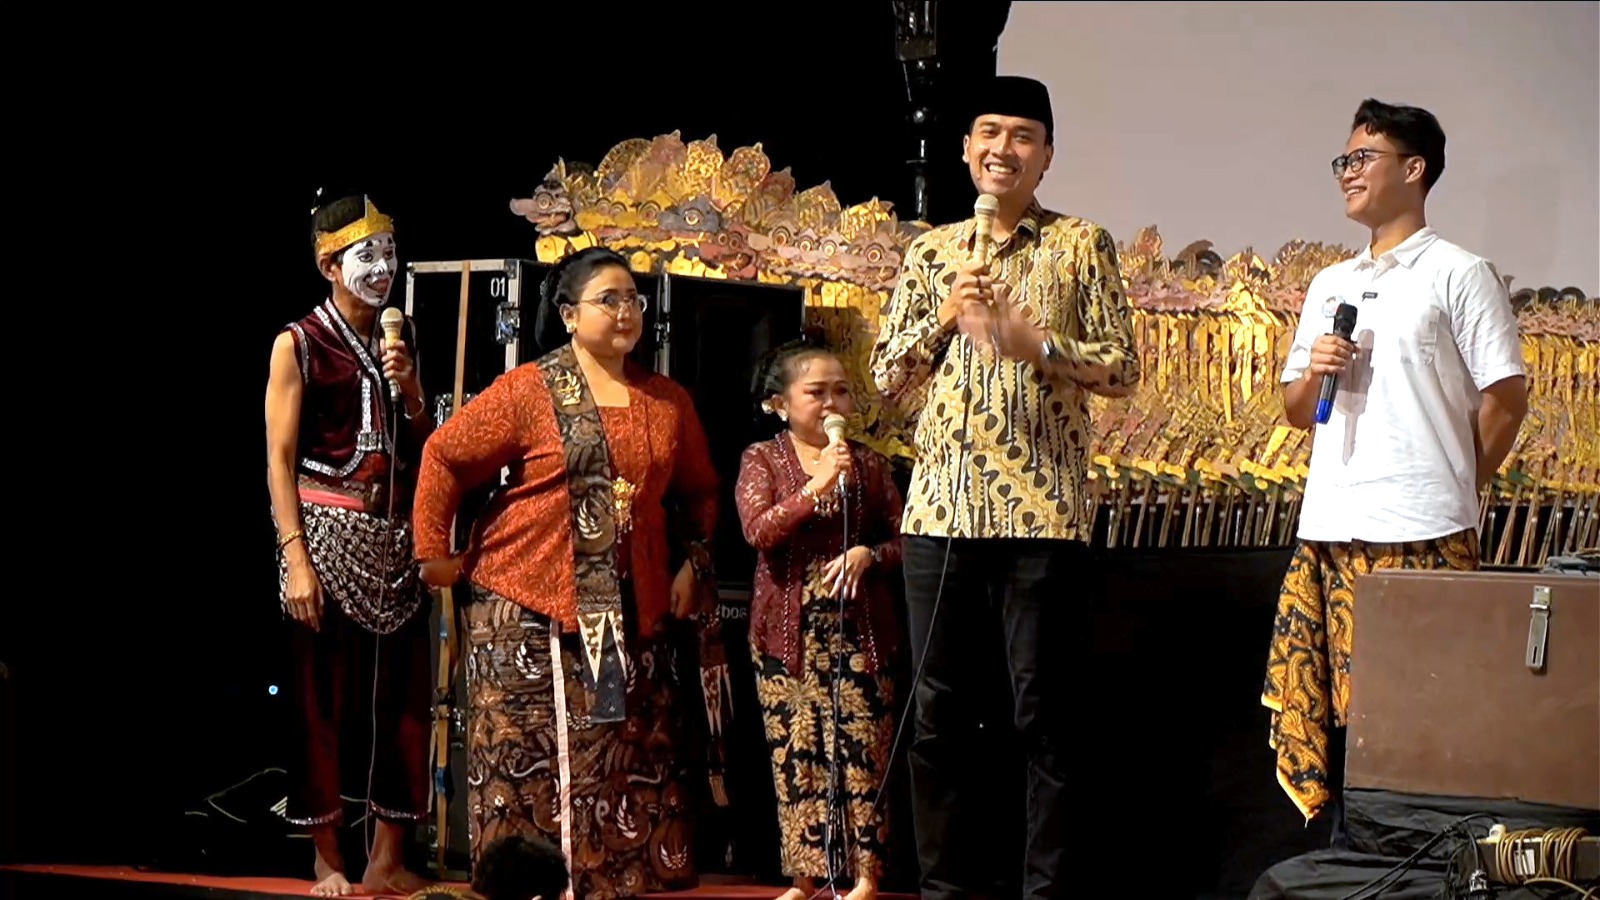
(392, 439)
(835, 815)
(909, 706)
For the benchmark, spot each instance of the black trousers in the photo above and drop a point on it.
(1011, 602)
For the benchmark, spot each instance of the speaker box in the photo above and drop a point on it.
(1477, 684)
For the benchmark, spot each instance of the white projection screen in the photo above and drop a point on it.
(1217, 121)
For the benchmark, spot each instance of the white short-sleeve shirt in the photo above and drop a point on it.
(1397, 459)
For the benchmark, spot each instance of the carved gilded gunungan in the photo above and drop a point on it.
(1199, 454)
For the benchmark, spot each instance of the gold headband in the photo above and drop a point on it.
(374, 222)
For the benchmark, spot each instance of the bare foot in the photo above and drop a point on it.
(391, 880)
(864, 890)
(333, 884)
(386, 872)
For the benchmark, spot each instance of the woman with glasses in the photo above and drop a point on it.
(572, 691)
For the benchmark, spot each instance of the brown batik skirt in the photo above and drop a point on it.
(610, 795)
(827, 773)
(1308, 665)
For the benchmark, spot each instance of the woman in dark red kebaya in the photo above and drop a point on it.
(825, 518)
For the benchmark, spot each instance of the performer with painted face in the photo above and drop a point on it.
(341, 460)
(573, 686)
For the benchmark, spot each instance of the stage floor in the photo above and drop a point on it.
(117, 883)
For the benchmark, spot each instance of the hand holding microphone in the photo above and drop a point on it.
(973, 286)
(834, 425)
(396, 360)
(1330, 358)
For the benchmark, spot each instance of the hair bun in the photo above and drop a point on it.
(770, 376)
(547, 287)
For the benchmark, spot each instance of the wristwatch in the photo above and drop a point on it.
(1049, 353)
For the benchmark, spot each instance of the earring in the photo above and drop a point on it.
(783, 416)
(571, 328)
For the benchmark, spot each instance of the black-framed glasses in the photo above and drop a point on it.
(1355, 162)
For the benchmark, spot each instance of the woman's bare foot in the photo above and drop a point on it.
(865, 889)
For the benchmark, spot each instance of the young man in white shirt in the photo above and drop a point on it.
(1430, 396)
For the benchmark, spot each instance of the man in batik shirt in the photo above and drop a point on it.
(999, 344)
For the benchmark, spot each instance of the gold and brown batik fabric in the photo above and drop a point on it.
(1308, 666)
(611, 795)
(817, 813)
(1003, 448)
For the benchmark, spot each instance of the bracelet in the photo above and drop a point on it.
(822, 505)
(700, 562)
(290, 538)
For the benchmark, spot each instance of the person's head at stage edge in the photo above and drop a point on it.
(512, 868)
(520, 868)
(1010, 141)
(355, 248)
(1393, 158)
(589, 298)
(802, 383)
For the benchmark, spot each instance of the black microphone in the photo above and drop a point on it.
(1344, 322)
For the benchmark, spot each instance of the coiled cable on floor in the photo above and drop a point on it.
(1549, 857)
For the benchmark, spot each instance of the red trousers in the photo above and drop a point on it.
(362, 724)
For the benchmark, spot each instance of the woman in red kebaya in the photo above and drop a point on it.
(572, 690)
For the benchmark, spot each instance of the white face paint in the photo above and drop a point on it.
(369, 268)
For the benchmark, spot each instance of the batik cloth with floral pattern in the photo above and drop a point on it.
(1308, 665)
(613, 795)
(830, 729)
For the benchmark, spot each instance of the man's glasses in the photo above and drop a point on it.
(1355, 162)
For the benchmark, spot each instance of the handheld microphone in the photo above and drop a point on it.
(833, 425)
(983, 210)
(1344, 322)
(392, 321)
